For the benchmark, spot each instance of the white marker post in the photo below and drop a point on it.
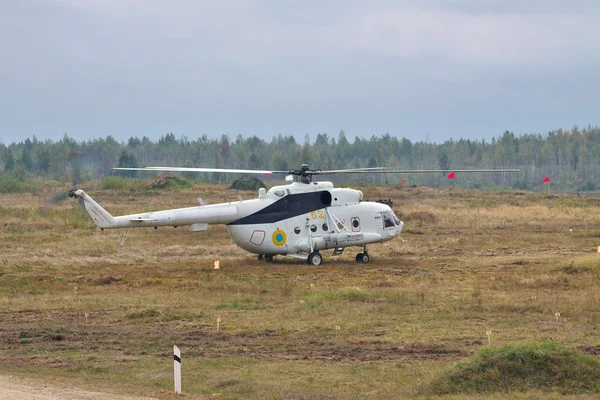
(177, 366)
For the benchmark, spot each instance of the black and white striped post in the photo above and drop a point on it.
(177, 366)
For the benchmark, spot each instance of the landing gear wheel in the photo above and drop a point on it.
(314, 258)
(268, 258)
(261, 257)
(362, 258)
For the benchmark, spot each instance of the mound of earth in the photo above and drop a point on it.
(517, 368)
(169, 182)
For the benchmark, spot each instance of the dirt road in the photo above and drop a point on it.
(16, 388)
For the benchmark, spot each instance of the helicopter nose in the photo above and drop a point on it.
(398, 229)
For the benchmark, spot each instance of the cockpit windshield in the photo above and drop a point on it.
(396, 219)
(388, 222)
(390, 219)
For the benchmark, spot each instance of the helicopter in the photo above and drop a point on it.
(298, 219)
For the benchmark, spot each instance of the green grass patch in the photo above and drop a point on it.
(120, 183)
(572, 269)
(517, 368)
(10, 184)
(245, 304)
(147, 313)
(349, 294)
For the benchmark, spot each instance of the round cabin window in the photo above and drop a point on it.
(297, 230)
(313, 228)
(325, 227)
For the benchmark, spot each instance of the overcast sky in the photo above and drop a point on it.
(427, 70)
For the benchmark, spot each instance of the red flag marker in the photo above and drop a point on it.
(451, 175)
(546, 179)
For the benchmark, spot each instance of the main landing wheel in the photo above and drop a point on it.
(261, 257)
(362, 257)
(314, 258)
(268, 258)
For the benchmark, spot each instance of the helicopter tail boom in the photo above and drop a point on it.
(197, 217)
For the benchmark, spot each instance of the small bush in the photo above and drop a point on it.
(62, 329)
(543, 366)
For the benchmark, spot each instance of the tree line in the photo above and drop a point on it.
(569, 157)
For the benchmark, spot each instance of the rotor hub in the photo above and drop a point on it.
(305, 174)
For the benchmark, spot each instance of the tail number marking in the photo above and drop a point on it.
(317, 214)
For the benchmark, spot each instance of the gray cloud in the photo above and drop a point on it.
(451, 68)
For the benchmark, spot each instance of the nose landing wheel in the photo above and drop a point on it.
(362, 258)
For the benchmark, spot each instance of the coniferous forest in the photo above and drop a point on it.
(570, 158)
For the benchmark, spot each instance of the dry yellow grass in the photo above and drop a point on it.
(473, 261)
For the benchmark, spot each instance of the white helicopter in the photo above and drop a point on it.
(298, 219)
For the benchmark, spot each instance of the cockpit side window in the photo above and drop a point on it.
(388, 222)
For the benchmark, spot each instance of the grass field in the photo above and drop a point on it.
(79, 308)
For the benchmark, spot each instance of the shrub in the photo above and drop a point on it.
(542, 366)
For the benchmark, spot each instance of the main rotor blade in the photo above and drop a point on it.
(408, 171)
(429, 171)
(347, 171)
(187, 169)
(374, 170)
(250, 171)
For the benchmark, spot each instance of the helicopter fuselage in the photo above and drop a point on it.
(315, 216)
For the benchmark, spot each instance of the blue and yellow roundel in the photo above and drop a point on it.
(279, 237)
